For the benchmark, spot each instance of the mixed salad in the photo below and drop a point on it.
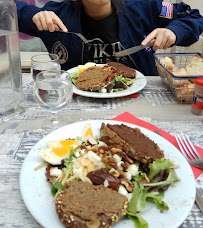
(99, 161)
(119, 82)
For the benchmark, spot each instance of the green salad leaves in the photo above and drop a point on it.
(118, 83)
(141, 193)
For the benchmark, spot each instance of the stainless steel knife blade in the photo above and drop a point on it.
(131, 50)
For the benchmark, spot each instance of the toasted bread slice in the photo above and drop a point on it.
(136, 144)
(84, 205)
(93, 78)
(121, 69)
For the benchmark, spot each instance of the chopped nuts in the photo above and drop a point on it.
(94, 149)
(115, 150)
(115, 173)
(85, 161)
(129, 186)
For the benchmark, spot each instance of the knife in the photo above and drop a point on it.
(198, 197)
(131, 50)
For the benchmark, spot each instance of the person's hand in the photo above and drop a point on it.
(161, 38)
(48, 21)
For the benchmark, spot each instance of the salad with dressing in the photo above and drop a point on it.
(98, 160)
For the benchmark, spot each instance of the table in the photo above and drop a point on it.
(155, 105)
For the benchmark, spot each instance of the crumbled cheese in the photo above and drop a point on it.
(103, 90)
(56, 172)
(119, 165)
(117, 158)
(78, 172)
(112, 170)
(77, 154)
(92, 140)
(122, 190)
(101, 143)
(93, 157)
(131, 171)
(82, 151)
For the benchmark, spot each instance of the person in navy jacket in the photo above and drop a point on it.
(110, 26)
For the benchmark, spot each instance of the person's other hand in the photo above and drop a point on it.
(48, 21)
(161, 38)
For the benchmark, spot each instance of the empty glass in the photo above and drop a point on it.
(53, 91)
(43, 62)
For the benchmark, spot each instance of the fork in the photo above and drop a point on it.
(188, 150)
(193, 157)
(77, 34)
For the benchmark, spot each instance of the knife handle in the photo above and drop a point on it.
(199, 200)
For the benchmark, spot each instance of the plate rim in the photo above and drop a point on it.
(91, 122)
(123, 93)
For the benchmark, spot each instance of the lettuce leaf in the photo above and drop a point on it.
(74, 76)
(138, 200)
(172, 177)
(138, 220)
(156, 197)
(158, 165)
(136, 204)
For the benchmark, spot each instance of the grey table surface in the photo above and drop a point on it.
(155, 105)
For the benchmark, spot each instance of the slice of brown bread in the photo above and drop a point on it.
(92, 79)
(121, 69)
(136, 144)
(83, 205)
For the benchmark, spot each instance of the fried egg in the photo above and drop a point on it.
(57, 151)
(84, 67)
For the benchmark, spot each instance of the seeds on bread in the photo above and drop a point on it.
(84, 205)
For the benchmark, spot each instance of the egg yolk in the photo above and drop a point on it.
(80, 71)
(87, 132)
(65, 147)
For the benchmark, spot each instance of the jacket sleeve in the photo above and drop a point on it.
(186, 23)
(25, 14)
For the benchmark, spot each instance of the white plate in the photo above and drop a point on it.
(36, 191)
(139, 83)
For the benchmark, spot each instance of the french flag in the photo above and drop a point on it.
(167, 10)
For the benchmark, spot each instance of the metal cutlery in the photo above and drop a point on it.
(131, 50)
(77, 34)
(188, 150)
(193, 157)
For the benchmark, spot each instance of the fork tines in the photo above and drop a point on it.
(187, 148)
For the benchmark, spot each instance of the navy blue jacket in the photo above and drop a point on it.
(137, 19)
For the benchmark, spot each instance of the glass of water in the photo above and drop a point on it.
(53, 91)
(43, 62)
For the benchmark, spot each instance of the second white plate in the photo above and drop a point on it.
(139, 83)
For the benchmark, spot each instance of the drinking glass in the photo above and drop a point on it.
(53, 91)
(43, 62)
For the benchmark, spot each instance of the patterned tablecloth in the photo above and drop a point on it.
(155, 105)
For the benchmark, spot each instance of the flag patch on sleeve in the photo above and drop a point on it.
(167, 10)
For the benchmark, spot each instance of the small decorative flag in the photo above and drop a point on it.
(167, 10)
